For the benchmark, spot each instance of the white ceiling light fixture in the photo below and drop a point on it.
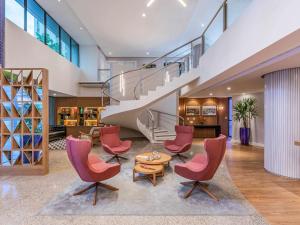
(228, 88)
(210, 94)
(150, 3)
(144, 15)
(182, 3)
(202, 25)
(147, 53)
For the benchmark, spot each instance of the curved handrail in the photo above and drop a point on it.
(152, 119)
(157, 59)
(169, 114)
(151, 74)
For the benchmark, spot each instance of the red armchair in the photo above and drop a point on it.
(203, 166)
(111, 143)
(89, 167)
(182, 142)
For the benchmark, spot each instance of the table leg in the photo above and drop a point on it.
(154, 179)
(133, 176)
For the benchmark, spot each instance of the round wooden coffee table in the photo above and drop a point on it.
(163, 160)
(150, 172)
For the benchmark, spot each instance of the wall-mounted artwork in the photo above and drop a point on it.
(191, 110)
(209, 110)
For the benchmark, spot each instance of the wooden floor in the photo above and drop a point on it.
(276, 198)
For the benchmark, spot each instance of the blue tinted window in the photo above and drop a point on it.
(75, 52)
(35, 20)
(52, 34)
(14, 11)
(65, 44)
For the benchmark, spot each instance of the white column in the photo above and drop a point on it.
(282, 122)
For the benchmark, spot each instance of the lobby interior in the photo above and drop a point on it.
(149, 112)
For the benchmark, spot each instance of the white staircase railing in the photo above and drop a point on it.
(142, 82)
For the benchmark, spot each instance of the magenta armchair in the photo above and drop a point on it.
(182, 142)
(203, 166)
(111, 143)
(89, 167)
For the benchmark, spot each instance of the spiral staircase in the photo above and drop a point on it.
(133, 93)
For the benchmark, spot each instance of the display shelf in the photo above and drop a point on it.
(23, 121)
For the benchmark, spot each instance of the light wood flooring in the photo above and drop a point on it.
(276, 198)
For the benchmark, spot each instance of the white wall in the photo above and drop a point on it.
(257, 124)
(24, 51)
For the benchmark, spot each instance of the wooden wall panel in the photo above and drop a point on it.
(220, 119)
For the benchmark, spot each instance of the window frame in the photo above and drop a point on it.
(45, 32)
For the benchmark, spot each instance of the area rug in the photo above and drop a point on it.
(140, 198)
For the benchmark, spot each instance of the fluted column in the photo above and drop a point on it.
(2, 30)
(282, 122)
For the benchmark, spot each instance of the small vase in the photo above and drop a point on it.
(244, 135)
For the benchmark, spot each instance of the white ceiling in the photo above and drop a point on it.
(249, 82)
(118, 27)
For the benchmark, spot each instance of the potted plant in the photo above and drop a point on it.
(245, 110)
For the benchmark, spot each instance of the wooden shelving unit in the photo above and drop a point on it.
(23, 121)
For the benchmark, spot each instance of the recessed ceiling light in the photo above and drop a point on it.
(109, 53)
(59, 0)
(54, 94)
(244, 94)
(228, 88)
(150, 3)
(144, 15)
(211, 94)
(202, 25)
(147, 53)
(81, 28)
(182, 3)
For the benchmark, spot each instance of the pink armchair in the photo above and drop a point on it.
(203, 166)
(89, 167)
(111, 143)
(182, 142)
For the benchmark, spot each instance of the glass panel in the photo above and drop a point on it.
(52, 34)
(14, 11)
(214, 31)
(65, 45)
(75, 52)
(35, 20)
(235, 8)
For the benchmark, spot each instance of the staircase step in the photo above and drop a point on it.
(165, 135)
(164, 138)
(160, 131)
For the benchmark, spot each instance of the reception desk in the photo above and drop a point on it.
(206, 131)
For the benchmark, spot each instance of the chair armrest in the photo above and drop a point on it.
(169, 142)
(126, 143)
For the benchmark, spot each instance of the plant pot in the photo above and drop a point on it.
(244, 135)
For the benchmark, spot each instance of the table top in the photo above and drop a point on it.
(148, 169)
(164, 158)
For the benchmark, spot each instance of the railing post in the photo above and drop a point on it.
(203, 44)
(2, 32)
(225, 16)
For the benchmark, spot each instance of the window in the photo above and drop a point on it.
(52, 34)
(35, 20)
(75, 52)
(14, 11)
(30, 16)
(65, 44)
